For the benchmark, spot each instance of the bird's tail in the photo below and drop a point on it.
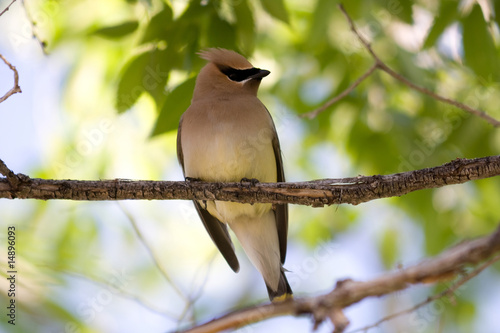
(284, 291)
(259, 238)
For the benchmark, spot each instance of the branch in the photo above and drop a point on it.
(152, 254)
(122, 292)
(43, 44)
(316, 193)
(7, 8)
(447, 292)
(343, 94)
(12, 178)
(379, 64)
(347, 292)
(16, 88)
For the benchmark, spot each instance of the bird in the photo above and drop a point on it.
(228, 135)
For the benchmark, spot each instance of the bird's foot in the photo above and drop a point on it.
(252, 181)
(192, 179)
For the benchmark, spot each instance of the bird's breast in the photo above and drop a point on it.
(227, 144)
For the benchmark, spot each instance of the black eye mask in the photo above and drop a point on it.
(239, 75)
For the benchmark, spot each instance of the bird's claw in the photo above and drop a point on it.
(252, 181)
(192, 179)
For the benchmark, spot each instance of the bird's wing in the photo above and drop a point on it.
(217, 230)
(219, 234)
(281, 209)
(180, 156)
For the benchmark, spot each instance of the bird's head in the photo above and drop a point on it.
(227, 73)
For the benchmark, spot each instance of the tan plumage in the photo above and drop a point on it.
(226, 135)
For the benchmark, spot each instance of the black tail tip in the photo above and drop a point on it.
(283, 293)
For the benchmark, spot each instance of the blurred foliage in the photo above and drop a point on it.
(144, 56)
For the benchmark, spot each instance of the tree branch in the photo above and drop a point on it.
(347, 292)
(16, 88)
(343, 94)
(11, 177)
(34, 33)
(8, 7)
(316, 193)
(379, 64)
(152, 254)
(445, 293)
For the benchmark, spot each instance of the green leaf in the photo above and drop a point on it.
(320, 22)
(147, 72)
(497, 11)
(175, 104)
(159, 26)
(196, 10)
(388, 247)
(130, 86)
(118, 31)
(479, 49)
(220, 33)
(316, 230)
(402, 9)
(245, 27)
(447, 14)
(276, 8)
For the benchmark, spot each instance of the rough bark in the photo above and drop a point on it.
(316, 193)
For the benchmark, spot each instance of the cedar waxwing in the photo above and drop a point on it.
(227, 135)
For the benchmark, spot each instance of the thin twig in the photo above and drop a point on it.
(42, 43)
(379, 64)
(16, 88)
(195, 295)
(344, 93)
(360, 37)
(450, 263)
(8, 7)
(449, 291)
(123, 293)
(156, 260)
(476, 112)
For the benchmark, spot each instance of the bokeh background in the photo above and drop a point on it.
(102, 98)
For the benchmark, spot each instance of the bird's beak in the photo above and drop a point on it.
(260, 74)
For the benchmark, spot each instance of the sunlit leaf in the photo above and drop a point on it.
(447, 14)
(195, 10)
(147, 72)
(388, 247)
(496, 5)
(315, 231)
(479, 50)
(159, 26)
(118, 31)
(320, 21)
(245, 26)
(402, 9)
(221, 33)
(176, 103)
(276, 8)
(130, 86)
